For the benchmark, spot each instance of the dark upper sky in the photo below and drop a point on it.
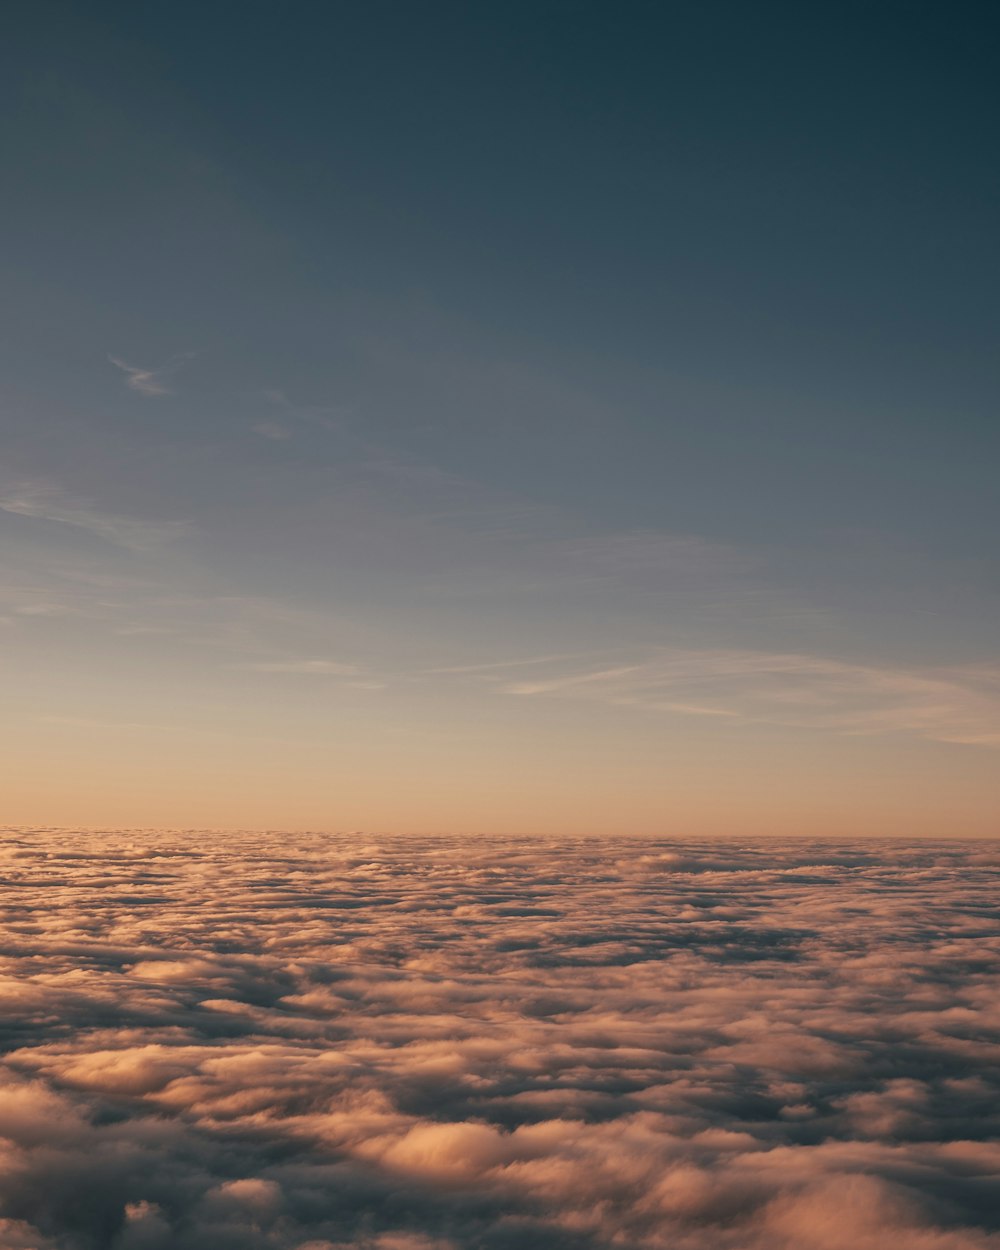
(395, 314)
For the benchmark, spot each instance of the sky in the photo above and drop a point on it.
(551, 418)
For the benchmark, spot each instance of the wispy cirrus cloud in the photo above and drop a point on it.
(947, 704)
(493, 665)
(45, 501)
(272, 431)
(151, 382)
(319, 668)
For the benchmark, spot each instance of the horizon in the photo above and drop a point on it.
(444, 835)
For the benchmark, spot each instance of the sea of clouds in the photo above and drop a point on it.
(267, 1042)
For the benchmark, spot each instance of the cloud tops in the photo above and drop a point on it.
(308, 1042)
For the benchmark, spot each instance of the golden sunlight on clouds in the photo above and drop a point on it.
(345, 1043)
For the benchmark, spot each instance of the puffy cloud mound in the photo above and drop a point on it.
(264, 1042)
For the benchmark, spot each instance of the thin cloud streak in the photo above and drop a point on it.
(950, 704)
(320, 668)
(46, 502)
(493, 665)
(272, 431)
(150, 382)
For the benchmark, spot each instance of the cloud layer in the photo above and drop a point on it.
(274, 1041)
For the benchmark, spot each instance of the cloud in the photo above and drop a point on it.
(46, 502)
(323, 668)
(272, 431)
(282, 1042)
(150, 382)
(948, 704)
(491, 665)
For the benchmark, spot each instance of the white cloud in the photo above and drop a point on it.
(150, 382)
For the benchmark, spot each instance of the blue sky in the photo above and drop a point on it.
(468, 402)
